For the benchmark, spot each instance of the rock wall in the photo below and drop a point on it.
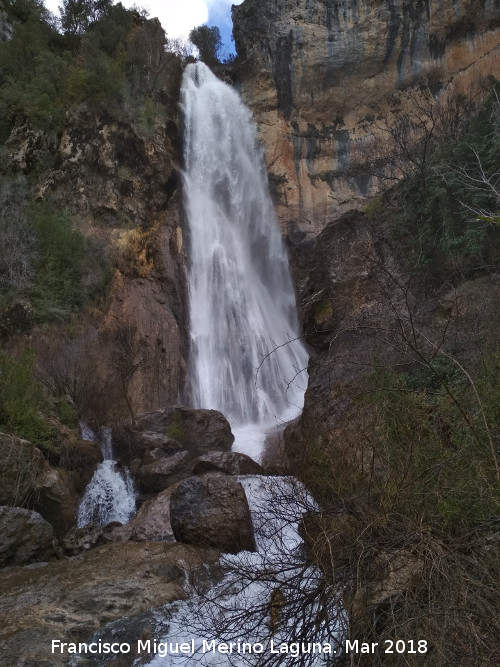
(5, 27)
(324, 76)
(121, 187)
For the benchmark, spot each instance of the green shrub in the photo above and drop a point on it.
(58, 287)
(434, 446)
(439, 232)
(22, 401)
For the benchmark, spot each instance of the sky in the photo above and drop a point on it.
(178, 17)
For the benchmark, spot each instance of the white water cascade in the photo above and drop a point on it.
(247, 362)
(110, 494)
(246, 358)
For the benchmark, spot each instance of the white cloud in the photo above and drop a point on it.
(177, 17)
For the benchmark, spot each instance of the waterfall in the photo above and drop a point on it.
(246, 358)
(110, 494)
(248, 362)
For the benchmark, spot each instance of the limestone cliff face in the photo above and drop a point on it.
(322, 76)
(120, 186)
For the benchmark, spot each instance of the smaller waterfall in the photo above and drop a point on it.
(110, 495)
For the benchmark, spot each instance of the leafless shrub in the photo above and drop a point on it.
(17, 240)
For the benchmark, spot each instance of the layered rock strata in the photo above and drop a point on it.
(328, 79)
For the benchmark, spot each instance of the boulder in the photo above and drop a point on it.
(173, 429)
(152, 521)
(141, 447)
(56, 499)
(78, 540)
(212, 511)
(22, 467)
(231, 463)
(164, 472)
(79, 456)
(25, 537)
(27, 480)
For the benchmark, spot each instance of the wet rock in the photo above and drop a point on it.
(171, 430)
(56, 499)
(25, 537)
(164, 472)
(88, 537)
(212, 511)
(152, 521)
(231, 463)
(71, 599)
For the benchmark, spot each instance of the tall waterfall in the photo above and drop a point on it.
(246, 359)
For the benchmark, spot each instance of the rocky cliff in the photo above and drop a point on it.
(327, 79)
(120, 186)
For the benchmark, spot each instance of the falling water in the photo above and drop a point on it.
(247, 362)
(110, 494)
(246, 359)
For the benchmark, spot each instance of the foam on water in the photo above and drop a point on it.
(110, 494)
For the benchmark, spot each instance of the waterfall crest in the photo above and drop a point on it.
(246, 359)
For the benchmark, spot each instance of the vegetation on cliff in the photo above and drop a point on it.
(64, 85)
(399, 437)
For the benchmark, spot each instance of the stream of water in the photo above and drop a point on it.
(110, 494)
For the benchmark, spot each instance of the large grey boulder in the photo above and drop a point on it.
(232, 463)
(162, 473)
(152, 521)
(212, 511)
(56, 499)
(171, 430)
(25, 537)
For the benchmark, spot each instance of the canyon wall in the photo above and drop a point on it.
(120, 185)
(326, 79)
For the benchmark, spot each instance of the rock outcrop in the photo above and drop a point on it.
(27, 480)
(152, 521)
(164, 472)
(231, 463)
(56, 499)
(71, 599)
(119, 182)
(25, 537)
(169, 431)
(363, 315)
(79, 540)
(212, 511)
(326, 79)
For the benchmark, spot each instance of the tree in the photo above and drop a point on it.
(208, 42)
(77, 15)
